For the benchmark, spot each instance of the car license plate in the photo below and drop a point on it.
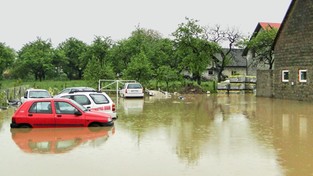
(134, 91)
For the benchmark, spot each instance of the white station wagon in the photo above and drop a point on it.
(93, 100)
(134, 90)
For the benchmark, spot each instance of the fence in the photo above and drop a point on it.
(11, 95)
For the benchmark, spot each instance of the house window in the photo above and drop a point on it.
(234, 72)
(285, 76)
(303, 75)
(210, 72)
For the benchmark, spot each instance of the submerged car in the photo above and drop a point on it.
(134, 90)
(93, 100)
(35, 94)
(57, 112)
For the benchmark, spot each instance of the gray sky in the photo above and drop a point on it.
(22, 21)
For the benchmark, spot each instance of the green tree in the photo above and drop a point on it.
(150, 42)
(99, 49)
(100, 66)
(36, 58)
(139, 68)
(166, 73)
(261, 46)
(193, 47)
(73, 51)
(94, 71)
(7, 57)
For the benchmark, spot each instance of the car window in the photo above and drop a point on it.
(81, 99)
(41, 107)
(134, 86)
(99, 98)
(38, 94)
(81, 107)
(64, 108)
(41, 147)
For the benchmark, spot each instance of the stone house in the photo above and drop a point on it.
(252, 66)
(237, 66)
(292, 76)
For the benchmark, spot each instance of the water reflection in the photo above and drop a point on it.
(132, 105)
(58, 140)
(290, 125)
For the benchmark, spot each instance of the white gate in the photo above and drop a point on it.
(112, 85)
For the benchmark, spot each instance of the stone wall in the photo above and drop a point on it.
(264, 84)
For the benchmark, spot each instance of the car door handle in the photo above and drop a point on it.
(59, 115)
(30, 114)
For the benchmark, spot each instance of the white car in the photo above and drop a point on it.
(132, 90)
(93, 100)
(34, 94)
(73, 89)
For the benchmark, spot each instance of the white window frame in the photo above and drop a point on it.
(300, 75)
(283, 78)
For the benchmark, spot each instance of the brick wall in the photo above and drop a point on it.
(294, 51)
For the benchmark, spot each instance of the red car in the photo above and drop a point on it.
(57, 112)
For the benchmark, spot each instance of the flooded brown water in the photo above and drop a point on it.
(200, 135)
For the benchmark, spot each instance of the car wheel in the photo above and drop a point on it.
(94, 125)
(24, 126)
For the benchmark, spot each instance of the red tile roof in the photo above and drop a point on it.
(265, 25)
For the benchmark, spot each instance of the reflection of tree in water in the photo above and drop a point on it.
(192, 127)
(186, 122)
(196, 119)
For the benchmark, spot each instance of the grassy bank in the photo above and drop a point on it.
(56, 86)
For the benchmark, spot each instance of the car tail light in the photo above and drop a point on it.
(113, 107)
(125, 90)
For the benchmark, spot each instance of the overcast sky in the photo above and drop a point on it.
(22, 21)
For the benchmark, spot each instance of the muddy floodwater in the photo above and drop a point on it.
(197, 135)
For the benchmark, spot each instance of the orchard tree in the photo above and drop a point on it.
(99, 50)
(193, 47)
(261, 46)
(139, 68)
(230, 37)
(73, 51)
(165, 64)
(143, 40)
(36, 58)
(166, 73)
(99, 66)
(94, 71)
(7, 57)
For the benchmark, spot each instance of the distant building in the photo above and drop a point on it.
(237, 66)
(249, 55)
